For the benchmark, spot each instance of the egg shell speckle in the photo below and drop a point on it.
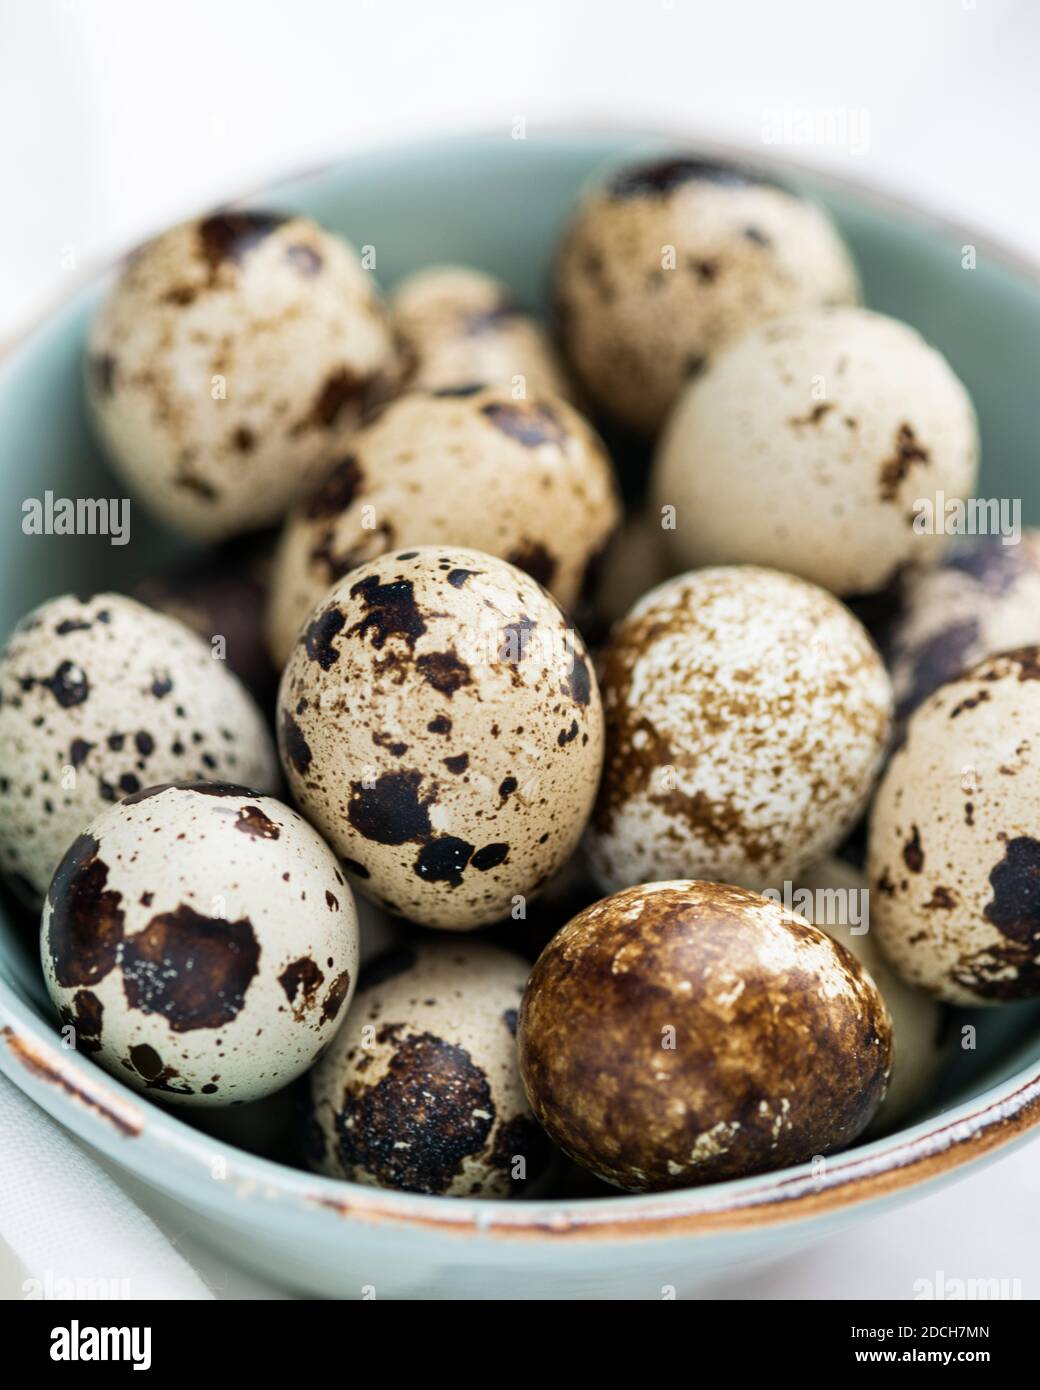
(455, 326)
(954, 858)
(833, 895)
(746, 714)
(669, 261)
(807, 444)
(687, 1032)
(100, 697)
(421, 1090)
(201, 941)
(528, 480)
(230, 364)
(441, 725)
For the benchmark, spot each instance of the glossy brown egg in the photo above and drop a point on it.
(685, 1032)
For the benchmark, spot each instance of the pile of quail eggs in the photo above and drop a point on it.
(446, 755)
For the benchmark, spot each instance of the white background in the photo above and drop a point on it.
(117, 116)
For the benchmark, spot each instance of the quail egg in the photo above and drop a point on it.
(439, 723)
(983, 598)
(201, 942)
(455, 326)
(746, 713)
(100, 697)
(685, 1032)
(808, 445)
(421, 1089)
(954, 858)
(527, 480)
(835, 896)
(670, 260)
(230, 364)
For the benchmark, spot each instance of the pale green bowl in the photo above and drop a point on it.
(497, 203)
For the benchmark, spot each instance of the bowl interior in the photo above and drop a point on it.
(498, 204)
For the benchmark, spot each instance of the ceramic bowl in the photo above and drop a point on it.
(498, 203)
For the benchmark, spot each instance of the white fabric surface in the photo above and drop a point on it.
(73, 1231)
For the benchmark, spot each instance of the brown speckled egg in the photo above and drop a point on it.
(833, 895)
(746, 715)
(806, 446)
(983, 598)
(670, 260)
(201, 941)
(528, 480)
(230, 364)
(421, 1089)
(100, 697)
(954, 856)
(455, 326)
(440, 724)
(686, 1032)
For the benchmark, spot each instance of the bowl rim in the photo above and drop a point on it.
(108, 1115)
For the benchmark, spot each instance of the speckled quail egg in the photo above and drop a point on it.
(833, 895)
(421, 1090)
(222, 596)
(806, 446)
(100, 697)
(229, 365)
(954, 858)
(201, 941)
(528, 480)
(685, 1032)
(746, 714)
(670, 260)
(455, 326)
(440, 724)
(983, 598)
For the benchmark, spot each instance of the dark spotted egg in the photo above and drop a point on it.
(687, 1032)
(669, 260)
(231, 362)
(954, 855)
(200, 942)
(456, 325)
(527, 479)
(983, 598)
(100, 697)
(421, 1089)
(440, 723)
